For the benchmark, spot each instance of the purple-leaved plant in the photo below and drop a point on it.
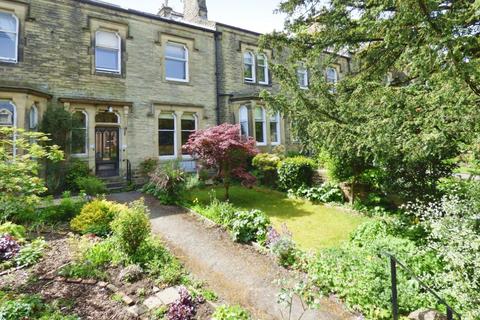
(184, 308)
(8, 247)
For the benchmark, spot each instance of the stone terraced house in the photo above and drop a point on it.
(138, 83)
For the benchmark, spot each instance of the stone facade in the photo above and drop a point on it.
(56, 65)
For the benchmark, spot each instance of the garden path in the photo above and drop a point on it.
(236, 272)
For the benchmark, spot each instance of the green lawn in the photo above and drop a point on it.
(313, 226)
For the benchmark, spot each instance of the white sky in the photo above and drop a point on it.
(255, 15)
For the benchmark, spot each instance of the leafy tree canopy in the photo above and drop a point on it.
(407, 102)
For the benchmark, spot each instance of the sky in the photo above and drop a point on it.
(255, 15)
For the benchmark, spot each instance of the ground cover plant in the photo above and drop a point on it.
(313, 226)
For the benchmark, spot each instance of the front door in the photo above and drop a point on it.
(106, 151)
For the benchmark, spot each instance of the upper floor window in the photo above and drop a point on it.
(260, 126)
(275, 128)
(332, 75)
(166, 135)
(243, 119)
(108, 52)
(7, 113)
(189, 126)
(262, 66)
(302, 75)
(8, 37)
(249, 67)
(176, 62)
(33, 117)
(79, 133)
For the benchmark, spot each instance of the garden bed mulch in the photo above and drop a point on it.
(86, 298)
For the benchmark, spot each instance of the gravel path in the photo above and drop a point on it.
(236, 272)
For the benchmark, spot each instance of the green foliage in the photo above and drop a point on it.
(30, 253)
(55, 213)
(225, 312)
(92, 186)
(20, 184)
(131, 227)
(221, 212)
(296, 172)
(96, 217)
(83, 270)
(15, 230)
(148, 166)
(327, 192)
(248, 226)
(407, 106)
(266, 165)
(167, 183)
(75, 169)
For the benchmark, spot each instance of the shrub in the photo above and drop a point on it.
(24, 307)
(248, 226)
(282, 246)
(184, 308)
(266, 165)
(76, 169)
(18, 232)
(167, 183)
(96, 217)
(9, 248)
(325, 193)
(222, 212)
(230, 313)
(92, 186)
(132, 226)
(148, 166)
(30, 253)
(296, 172)
(63, 212)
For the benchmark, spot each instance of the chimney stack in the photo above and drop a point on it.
(195, 10)
(165, 11)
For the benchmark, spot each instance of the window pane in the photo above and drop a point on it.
(79, 141)
(6, 118)
(259, 132)
(185, 136)
(188, 124)
(7, 45)
(175, 69)
(80, 120)
(262, 77)
(8, 22)
(178, 52)
(331, 75)
(107, 39)
(106, 59)
(259, 114)
(166, 124)
(244, 129)
(166, 143)
(248, 72)
(274, 132)
(106, 117)
(248, 58)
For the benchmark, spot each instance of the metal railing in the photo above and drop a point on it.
(129, 172)
(394, 262)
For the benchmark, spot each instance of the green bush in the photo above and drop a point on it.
(225, 312)
(63, 212)
(131, 227)
(248, 226)
(92, 186)
(148, 166)
(30, 253)
(17, 231)
(221, 212)
(75, 169)
(325, 193)
(84, 270)
(266, 168)
(96, 217)
(296, 172)
(167, 183)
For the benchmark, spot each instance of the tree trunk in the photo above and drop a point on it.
(352, 192)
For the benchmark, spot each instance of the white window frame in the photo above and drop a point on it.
(17, 31)
(336, 75)
(175, 140)
(195, 116)
(264, 125)
(86, 135)
(33, 123)
(278, 128)
(253, 68)
(244, 119)
(14, 115)
(264, 68)
(302, 70)
(185, 61)
(119, 53)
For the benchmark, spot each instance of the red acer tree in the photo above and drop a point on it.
(225, 150)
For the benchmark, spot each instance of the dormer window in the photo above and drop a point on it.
(249, 67)
(107, 52)
(8, 37)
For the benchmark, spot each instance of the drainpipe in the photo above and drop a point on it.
(218, 72)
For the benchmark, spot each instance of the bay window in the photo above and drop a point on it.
(7, 113)
(107, 52)
(189, 126)
(243, 119)
(275, 128)
(260, 126)
(166, 135)
(33, 117)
